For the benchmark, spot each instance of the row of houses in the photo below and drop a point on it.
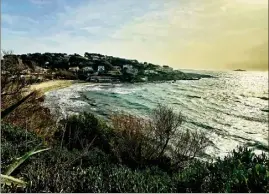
(118, 69)
(101, 68)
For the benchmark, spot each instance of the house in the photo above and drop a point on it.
(66, 56)
(132, 71)
(73, 69)
(150, 72)
(87, 69)
(101, 68)
(95, 58)
(127, 66)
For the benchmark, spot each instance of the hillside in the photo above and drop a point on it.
(94, 64)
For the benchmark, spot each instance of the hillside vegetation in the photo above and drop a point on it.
(75, 66)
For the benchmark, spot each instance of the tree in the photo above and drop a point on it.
(13, 84)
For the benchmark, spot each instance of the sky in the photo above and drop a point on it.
(187, 34)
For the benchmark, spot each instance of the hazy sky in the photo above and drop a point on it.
(198, 34)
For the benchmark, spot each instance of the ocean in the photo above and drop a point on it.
(231, 108)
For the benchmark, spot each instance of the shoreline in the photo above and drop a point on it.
(48, 86)
(51, 85)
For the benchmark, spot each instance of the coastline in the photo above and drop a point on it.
(50, 85)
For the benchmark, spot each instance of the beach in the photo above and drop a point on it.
(47, 86)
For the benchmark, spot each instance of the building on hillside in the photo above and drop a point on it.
(87, 69)
(66, 56)
(73, 69)
(150, 71)
(95, 58)
(46, 64)
(132, 71)
(101, 68)
(127, 66)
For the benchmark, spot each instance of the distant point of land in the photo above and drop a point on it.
(239, 70)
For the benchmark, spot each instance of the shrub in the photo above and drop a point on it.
(132, 145)
(157, 141)
(15, 142)
(64, 170)
(187, 146)
(80, 131)
(100, 178)
(241, 171)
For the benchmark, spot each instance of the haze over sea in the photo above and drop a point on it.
(231, 108)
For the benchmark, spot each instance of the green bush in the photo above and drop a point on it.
(82, 131)
(241, 171)
(101, 178)
(15, 142)
(75, 166)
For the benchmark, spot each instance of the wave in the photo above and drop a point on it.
(230, 109)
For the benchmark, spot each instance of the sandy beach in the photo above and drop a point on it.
(53, 84)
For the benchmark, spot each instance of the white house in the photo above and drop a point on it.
(132, 71)
(150, 71)
(73, 69)
(95, 58)
(87, 69)
(101, 68)
(127, 66)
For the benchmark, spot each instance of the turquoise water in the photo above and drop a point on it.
(231, 108)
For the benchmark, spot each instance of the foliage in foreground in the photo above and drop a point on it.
(84, 160)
